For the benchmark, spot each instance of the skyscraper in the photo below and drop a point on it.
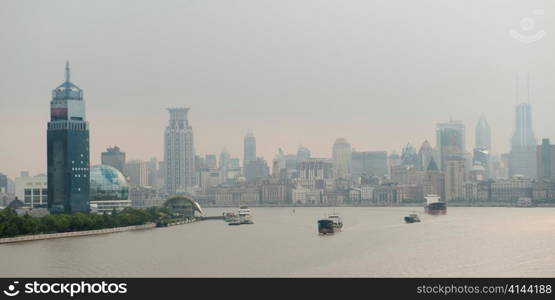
(409, 156)
(303, 154)
(224, 160)
(257, 170)
(482, 150)
(369, 163)
(450, 140)
(522, 158)
(137, 173)
(114, 157)
(523, 135)
(546, 160)
(434, 180)
(68, 150)
(393, 160)
(211, 161)
(179, 153)
(483, 134)
(152, 169)
(249, 148)
(3, 183)
(454, 177)
(425, 155)
(223, 165)
(341, 153)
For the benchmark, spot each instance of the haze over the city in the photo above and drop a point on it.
(378, 73)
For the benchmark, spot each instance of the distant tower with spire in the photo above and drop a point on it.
(483, 134)
(522, 159)
(68, 150)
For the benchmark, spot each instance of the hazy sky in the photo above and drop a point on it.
(378, 73)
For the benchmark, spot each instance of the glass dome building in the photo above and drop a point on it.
(108, 189)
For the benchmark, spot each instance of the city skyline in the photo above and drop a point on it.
(378, 98)
(238, 149)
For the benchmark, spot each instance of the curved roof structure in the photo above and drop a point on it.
(179, 203)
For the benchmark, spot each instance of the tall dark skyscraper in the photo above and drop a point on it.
(249, 148)
(68, 150)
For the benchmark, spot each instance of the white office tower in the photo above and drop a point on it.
(179, 153)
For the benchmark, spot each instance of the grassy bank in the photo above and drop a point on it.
(12, 225)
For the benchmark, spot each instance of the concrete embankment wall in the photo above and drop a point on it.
(73, 233)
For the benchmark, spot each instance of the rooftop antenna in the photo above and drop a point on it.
(528, 84)
(516, 90)
(67, 71)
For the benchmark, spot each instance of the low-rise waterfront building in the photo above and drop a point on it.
(33, 191)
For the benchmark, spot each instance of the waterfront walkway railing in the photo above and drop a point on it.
(73, 233)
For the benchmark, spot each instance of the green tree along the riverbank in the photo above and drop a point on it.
(12, 224)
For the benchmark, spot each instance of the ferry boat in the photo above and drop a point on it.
(524, 202)
(325, 226)
(244, 214)
(337, 222)
(234, 221)
(331, 224)
(412, 218)
(434, 205)
(228, 217)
